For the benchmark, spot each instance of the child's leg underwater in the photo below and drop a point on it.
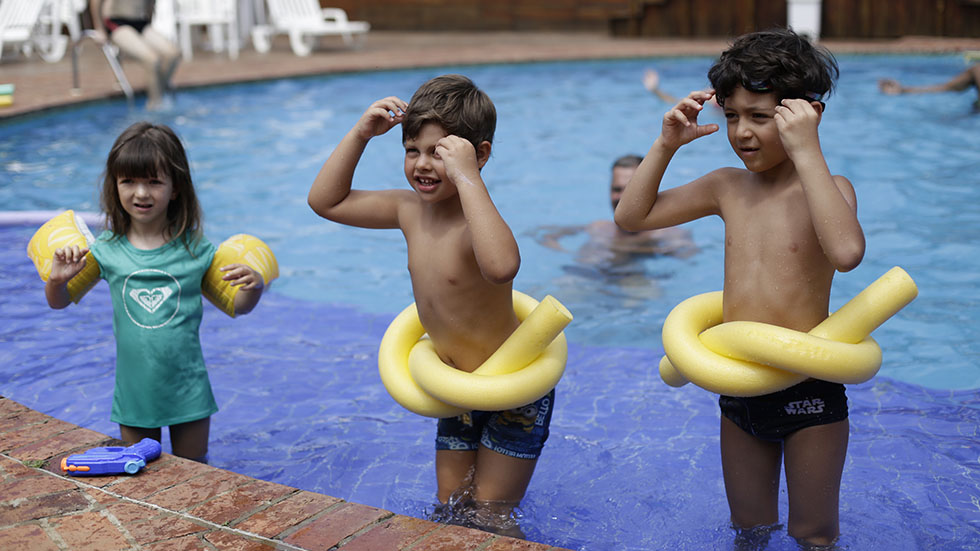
(190, 440)
(750, 467)
(132, 435)
(500, 478)
(814, 458)
(454, 469)
(481, 489)
(489, 477)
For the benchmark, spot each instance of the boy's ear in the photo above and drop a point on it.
(818, 107)
(483, 153)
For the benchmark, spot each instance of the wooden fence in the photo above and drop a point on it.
(669, 18)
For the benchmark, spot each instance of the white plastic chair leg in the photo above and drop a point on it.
(232, 41)
(301, 43)
(261, 38)
(186, 51)
(51, 44)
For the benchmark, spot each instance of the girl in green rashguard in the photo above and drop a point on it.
(153, 256)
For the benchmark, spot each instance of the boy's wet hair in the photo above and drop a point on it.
(147, 150)
(627, 161)
(775, 60)
(456, 104)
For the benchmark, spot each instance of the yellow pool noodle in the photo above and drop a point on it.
(743, 358)
(539, 328)
(526, 366)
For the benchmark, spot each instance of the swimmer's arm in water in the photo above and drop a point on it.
(494, 244)
(671, 241)
(251, 283)
(643, 206)
(830, 199)
(550, 236)
(651, 81)
(331, 196)
(66, 263)
(969, 77)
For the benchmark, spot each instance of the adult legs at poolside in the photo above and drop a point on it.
(158, 56)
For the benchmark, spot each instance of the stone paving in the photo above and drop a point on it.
(178, 505)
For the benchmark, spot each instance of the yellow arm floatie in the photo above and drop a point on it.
(525, 367)
(745, 358)
(237, 249)
(64, 230)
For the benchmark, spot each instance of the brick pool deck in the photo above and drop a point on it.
(179, 505)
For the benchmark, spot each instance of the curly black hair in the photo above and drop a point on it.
(775, 60)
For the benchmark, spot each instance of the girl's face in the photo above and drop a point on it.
(146, 199)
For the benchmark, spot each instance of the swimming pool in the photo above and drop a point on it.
(631, 463)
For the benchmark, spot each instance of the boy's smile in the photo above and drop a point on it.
(426, 185)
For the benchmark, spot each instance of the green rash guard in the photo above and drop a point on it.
(161, 379)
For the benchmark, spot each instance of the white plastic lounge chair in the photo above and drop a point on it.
(305, 21)
(71, 12)
(33, 23)
(221, 18)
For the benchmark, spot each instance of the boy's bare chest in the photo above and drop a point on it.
(769, 223)
(439, 255)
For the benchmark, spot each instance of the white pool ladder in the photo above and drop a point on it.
(111, 53)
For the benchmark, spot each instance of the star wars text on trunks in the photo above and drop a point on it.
(804, 407)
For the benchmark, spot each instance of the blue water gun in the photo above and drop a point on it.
(113, 460)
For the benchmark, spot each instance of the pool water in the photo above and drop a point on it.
(631, 464)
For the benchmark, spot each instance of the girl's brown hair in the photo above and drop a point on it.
(146, 150)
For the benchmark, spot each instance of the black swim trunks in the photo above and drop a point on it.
(113, 23)
(775, 416)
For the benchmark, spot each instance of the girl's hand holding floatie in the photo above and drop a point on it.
(380, 117)
(244, 275)
(680, 124)
(251, 283)
(66, 263)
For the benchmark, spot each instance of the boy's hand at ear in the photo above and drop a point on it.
(459, 159)
(680, 124)
(380, 117)
(797, 121)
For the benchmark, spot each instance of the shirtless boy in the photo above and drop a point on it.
(462, 259)
(789, 227)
